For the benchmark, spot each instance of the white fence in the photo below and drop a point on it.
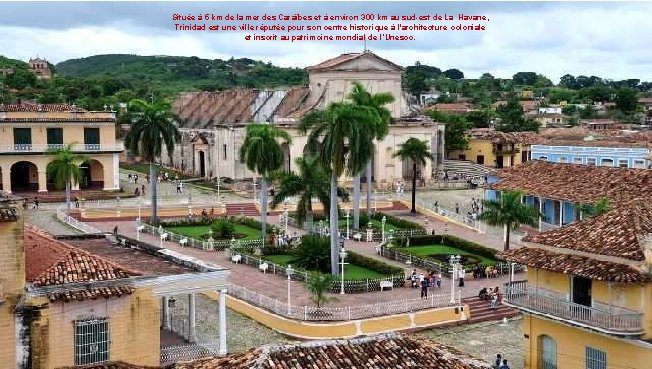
(80, 226)
(214, 245)
(344, 313)
(175, 354)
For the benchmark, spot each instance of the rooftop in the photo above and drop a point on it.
(33, 107)
(452, 107)
(344, 58)
(575, 182)
(499, 137)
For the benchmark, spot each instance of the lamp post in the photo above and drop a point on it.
(454, 260)
(383, 221)
(347, 216)
(425, 224)
(289, 271)
(285, 214)
(375, 200)
(218, 190)
(342, 258)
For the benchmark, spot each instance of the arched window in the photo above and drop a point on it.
(548, 349)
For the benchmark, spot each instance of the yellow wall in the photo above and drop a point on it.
(571, 343)
(7, 335)
(72, 132)
(134, 329)
(551, 281)
(485, 147)
(348, 329)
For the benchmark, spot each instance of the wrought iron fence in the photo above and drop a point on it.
(174, 354)
(214, 245)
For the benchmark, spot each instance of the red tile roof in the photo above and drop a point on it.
(341, 59)
(378, 352)
(582, 266)
(576, 183)
(49, 262)
(620, 232)
(499, 137)
(451, 107)
(31, 107)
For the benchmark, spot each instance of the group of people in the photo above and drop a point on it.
(35, 203)
(500, 362)
(490, 271)
(132, 178)
(431, 279)
(491, 294)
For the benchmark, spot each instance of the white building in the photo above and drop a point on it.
(212, 123)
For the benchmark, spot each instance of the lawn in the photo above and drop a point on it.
(350, 271)
(199, 230)
(427, 250)
(377, 224)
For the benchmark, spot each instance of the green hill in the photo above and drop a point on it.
(6, 62)
(177, 73)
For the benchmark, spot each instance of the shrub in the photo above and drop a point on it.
(318, 284)
(452, 241)
(396, 221)
(372, 264)
(223, 229)
(251, 223)
(314, 253)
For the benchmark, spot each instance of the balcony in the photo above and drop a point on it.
(29, 148)
(508, 150)
(617, 323)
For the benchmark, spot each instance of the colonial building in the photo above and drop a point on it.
(495, 149)
(213, 123)
(30, 130)
(84, 300)
(587, 299)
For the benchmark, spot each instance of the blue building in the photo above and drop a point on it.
(620, 157)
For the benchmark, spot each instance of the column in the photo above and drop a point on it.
(166, 313)
(6, 179)
(540, 211)
(42, 181)
(561, 213)
(192, 336)
(222, 316)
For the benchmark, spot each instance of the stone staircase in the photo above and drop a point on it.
(466, 168)
(238, 209)
(481, 310)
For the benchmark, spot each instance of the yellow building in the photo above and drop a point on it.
(495, 149)
(587, 299)
(85, 300)
(29, 130)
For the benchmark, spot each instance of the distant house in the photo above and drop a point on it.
(429, 97)
(547, 117)
(601, 124)
(5, 71)
(455, 108)
(646, 102)
(526, 94)
(495, 149)
(528, 105)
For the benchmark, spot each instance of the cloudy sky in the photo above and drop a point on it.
(607, 39)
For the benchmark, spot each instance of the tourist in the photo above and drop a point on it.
(457, 208)
(413, 278)
(438, 280)
(136, 179)
(77, 202)
(142, 189)
(461, 275)
(181, 186)
(36, 202)
(504, 365)
(484, 294)
(436, 207)
(129, 177)
(137, 191)
(499, 360)
(178, 187)
(115, 230)
(424, 287)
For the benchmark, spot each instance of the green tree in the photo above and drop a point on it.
(456, 128)
(153, 126)
(318, 284)
(361, 97)
(626, 100)
(509, 212)
(311, 182)
(512, 118)
(262, 153)
(313, 253)
(588, 112)
(600, 207)
(341, 136)
(64, 169)
(478, 118)
(21, 79)
(416, 83)
(454, 74)
(524, 78)
(417, 152)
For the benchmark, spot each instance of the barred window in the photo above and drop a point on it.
(595, 359)
(91, 341)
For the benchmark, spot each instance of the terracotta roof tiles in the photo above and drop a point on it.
(31, 107)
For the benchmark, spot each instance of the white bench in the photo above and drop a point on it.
(263, 267)
(386, 284)
(237, 258)
(165, 236)
(183, 242)
(357, 237)
(140, 228)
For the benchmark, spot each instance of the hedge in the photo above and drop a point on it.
(395, 221)
(373, 264)
(251, 223)
(452, 241)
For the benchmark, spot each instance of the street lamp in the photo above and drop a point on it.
(454, 262)
(289, 272)
(425, 224)
(347, 216)
(218, 190)
(342, 258)
(383, 221)
(285, 214)
(375, 200)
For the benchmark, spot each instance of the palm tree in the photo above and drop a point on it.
(340, 137)
(153, 126)
(311, 182)
(318, 284)
(509, 212)
(262, 153)
(64, 169)
(417, 151)
(360, 96)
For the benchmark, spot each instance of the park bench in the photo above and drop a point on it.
(183, 242)
(263, 267)
(165, 236)
(357, 237)
(386, 284)
(237, 258)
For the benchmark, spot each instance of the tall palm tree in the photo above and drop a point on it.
(311, 182)
(416, 151)
(360, 96)
(341, 137)
(509, 212)
(64, 169)
(152, 127)
(262, 153)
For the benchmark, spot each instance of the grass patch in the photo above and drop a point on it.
(197, 231)
(377, 224)
(351, 271)
(427, 250)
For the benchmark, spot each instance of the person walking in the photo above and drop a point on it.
(115, 231)
(424, 288)
(499, 360)
(438, 280)
(461, 275)
(504, 365)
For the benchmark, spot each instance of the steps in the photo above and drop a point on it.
(481, 310)
(466, 168)
(246, 209)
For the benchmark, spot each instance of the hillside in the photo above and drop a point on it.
(183, 73)
(6, 62)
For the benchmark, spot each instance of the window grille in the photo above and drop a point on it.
(91, 341)
(595, 359)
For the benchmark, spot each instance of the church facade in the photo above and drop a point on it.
(213, 123)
